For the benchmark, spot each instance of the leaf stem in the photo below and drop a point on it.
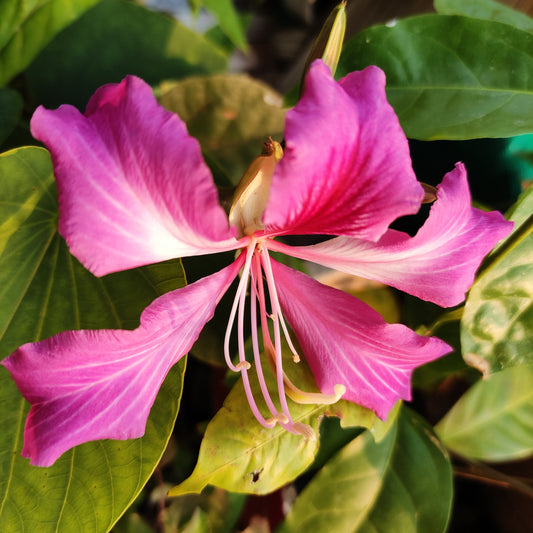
(483, 473)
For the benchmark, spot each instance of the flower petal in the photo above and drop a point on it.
(87, 385)
(346, 342)
(346, 168)
(438, 264)
(133, 187)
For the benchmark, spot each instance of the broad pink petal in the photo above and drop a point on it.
(133, 187)
(438, 264)
(87, 385)
(346, 168)
(346, 342)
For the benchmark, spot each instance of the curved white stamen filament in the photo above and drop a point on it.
(256, 263)
(267, 341)
(276, 312)
(299, 396)
(239, 304)
(268, 346)
(295, 355)
(241, 289)
(270, 423)
(255, 341)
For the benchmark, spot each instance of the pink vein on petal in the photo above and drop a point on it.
(133, 187)
(346, 168)
(346, 342)
(437, 264)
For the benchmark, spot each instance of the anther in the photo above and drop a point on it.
(243, 365)
(277, 418)
(305, 430)
(430, 193)
(299, 396)
(339, 390)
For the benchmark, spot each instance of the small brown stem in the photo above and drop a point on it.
(485, 474)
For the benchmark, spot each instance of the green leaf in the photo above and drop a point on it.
(402, 483)
(44, 290)
(220, 510)
(26, 28)
(10, 111)
(124, 38)
(229, 21)
(231, 116)
(485, 9)
(451, 77)
(493, 420)
(240, 455)
(497, 323)
(195, 6)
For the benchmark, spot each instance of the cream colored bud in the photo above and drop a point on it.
(328, 44)
(251, 197)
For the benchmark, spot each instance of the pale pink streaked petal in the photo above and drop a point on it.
(438, 264)
(133, 187)
(346, 342)
(346, 168)
(100, 384)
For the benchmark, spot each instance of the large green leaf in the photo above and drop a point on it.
(228, 19)
(43, 290)
(402, 483)
(240, 455)
(451, 77)
(26, 27)
(114, 39)
(10, 110)
(231, 116)
(485, 9)
(497, 323)
(493, 421)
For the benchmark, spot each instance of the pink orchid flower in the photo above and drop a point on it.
(134, 190)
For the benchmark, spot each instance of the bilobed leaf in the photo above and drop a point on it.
(112, 40)
(231, 116)
(497, 323)
(402, 483)
(493, 420)
(451, 77)
(26, 27)
(240, 455)
(10, 110)
(485, 9)
(44, 290)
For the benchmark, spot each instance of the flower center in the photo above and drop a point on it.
(273, 328)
